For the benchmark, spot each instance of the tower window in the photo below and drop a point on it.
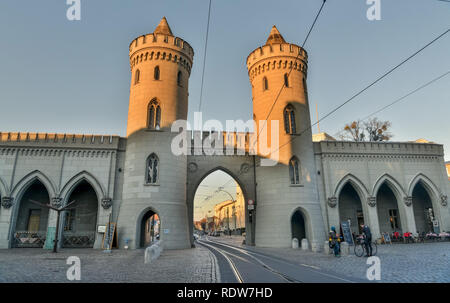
(154, 115)
(156, 74)
(152, 168)
(289, 120)
(137, 76)
(294, 170)
(286, 80)
(179, 78)
(265, 84)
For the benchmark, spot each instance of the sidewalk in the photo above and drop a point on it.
(36, 265)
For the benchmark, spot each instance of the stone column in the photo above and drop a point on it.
(51, 230)
(408, 221)
(333, 213)
(372, 220)
(104, 213)
(5, 220)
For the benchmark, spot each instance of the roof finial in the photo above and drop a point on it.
(163, 28)
(275, 37)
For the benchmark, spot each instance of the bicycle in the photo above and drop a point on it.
(360, 247)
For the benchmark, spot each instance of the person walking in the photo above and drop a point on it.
(367, 239)
(334, 241)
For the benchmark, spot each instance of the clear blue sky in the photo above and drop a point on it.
(73, 77)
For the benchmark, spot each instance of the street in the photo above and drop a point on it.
(239, 265)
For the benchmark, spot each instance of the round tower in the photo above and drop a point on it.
(287, 195)
(154, 178)
(160, 68)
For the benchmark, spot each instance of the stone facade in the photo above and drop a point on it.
(311, 187)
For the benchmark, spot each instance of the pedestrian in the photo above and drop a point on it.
(367, 239)
(334, 241)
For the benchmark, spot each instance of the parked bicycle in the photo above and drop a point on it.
(360, 247)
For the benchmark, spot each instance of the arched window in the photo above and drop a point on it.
(265, 84)
(152, 168)
(289, 120)
(286, 80)
(156, 73)
(137, 76)
(179, 78)
(154, 115)
(294, 172)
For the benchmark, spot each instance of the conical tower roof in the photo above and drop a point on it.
(275, 37)
(163, 28)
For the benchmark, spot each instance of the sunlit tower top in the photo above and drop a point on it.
(160, 68)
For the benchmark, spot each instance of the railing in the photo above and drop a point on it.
(31, 239)
(78, 239)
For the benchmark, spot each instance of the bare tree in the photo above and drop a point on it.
(370, 130)
(353, 131)
(378, 130)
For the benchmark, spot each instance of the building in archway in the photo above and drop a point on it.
(139, 182)
(230, 214)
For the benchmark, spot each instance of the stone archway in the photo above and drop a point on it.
(30, 227)
(238, 167)
(298, 226)
(388, 210)
(150, 228)
(423, 209)
(351, 208)
(80, 221)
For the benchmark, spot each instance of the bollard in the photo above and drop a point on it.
(153, 252)
(305, 244)
(295, 243)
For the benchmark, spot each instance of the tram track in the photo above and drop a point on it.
(244, 256)
(310, 273)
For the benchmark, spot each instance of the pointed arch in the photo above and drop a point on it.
(393, 184)
(289, 119)
(432, 189)
(225, 170)
(28, 179)
(304, 227)
(357, 184)
(139, 223)
(152, 168)
(73, 182)
(294, 170)
(154, 114)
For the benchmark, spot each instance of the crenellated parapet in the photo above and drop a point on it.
(352, 150)
(226, 143)
(277, 56)
(10, 140)
(157, 46)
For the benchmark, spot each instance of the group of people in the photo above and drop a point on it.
(335, 239)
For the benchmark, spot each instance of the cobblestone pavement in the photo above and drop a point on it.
(37, 265)
(419, 262)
